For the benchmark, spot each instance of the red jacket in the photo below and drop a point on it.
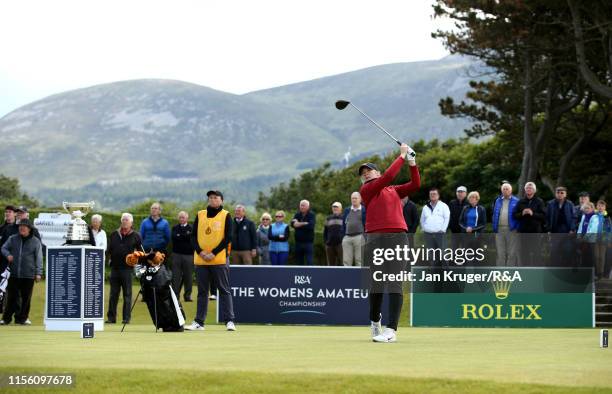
(382, 200)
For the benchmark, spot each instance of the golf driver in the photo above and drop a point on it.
(342, 104)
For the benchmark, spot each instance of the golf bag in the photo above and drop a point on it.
(164, 307)
(4, 277)
(155, 286)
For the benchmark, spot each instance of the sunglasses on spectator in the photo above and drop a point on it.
(278, 216)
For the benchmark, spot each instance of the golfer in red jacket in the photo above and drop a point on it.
(386, 228)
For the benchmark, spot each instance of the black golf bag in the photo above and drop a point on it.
(164, 307)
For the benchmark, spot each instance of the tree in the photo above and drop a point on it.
(537, 86)
(10, 193)
(593, 43)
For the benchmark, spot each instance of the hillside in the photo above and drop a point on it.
(119, 143)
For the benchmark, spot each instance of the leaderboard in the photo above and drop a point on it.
(75, 286)
(93, 284)
(64, 283)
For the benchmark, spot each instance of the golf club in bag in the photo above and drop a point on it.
(342, 104)
(156, 287)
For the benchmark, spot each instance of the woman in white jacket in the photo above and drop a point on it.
(98, 233)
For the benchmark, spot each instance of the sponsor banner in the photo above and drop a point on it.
(535, 297)
(299, 295)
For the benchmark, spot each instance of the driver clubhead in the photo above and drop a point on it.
(341, 104)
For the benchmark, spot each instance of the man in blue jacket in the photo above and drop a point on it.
(505, 226)
(561, 222)
(155, 231)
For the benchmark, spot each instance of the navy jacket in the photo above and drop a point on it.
(244, 235)
(481, 218)
(304, 234)
(552, 217)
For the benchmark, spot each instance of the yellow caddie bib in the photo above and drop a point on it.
(210, 234)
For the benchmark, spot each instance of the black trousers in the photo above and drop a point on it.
(182, 274)
(377, 289)
(18, 289)
(395, 308)
(218, 276)
(120, 280)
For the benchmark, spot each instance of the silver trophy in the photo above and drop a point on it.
(78, 231)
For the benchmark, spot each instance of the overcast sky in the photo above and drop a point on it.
(49, 47)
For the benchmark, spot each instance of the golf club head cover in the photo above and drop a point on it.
(132, 258)
(156, 259)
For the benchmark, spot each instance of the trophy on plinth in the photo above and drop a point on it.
(78, 231)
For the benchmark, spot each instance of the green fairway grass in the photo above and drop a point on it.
(278, 358)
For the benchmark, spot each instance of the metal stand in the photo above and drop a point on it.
(133, 305)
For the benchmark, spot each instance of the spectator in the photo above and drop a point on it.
(122, 242)
(411, 215)
(23, 251)
(560, 213)
(435, 217)
(353, 222)
(182, 257)
(456, 208)
(583, 198)
(244, 238)
(304, 224)
(473, 217)
(279, 240)
(9, 218)
(212, 230)
(155, 231)
(332, 235)
(531, 215)
(560, 223)
(263, 242)
(22, 214)
(587, 234)
(505, 226)
(9, 222)
(98, 233)
(604, 236)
